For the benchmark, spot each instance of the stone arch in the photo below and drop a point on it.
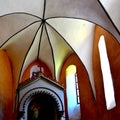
(29, 96)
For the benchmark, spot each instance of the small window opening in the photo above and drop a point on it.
(107, 77)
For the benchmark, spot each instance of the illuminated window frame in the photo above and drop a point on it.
(77, 89)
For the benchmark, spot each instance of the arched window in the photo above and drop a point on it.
(72, 93)
(107, 77)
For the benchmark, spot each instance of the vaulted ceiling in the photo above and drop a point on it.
(50, 30)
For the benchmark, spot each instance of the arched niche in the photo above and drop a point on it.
(46, 92)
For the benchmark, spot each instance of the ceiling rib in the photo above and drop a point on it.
(20, 75)
(52, 52)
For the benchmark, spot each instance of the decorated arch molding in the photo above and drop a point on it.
(27, 98)
(40, 86)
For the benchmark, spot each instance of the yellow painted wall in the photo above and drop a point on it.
(6, 88)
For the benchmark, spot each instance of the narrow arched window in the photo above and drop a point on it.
(72, 90)
(107, 77)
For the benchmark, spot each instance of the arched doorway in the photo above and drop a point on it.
(43, 107)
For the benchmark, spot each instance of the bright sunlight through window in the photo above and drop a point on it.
(72, 92)
(107, 77)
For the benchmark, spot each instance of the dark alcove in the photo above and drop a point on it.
(43, 107)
